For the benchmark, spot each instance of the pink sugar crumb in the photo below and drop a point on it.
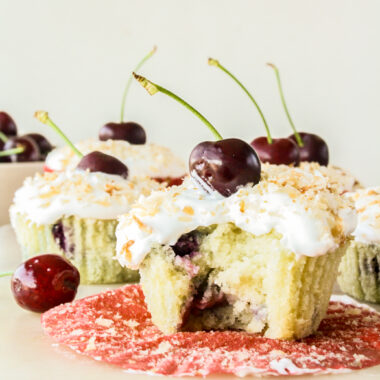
(348, 339)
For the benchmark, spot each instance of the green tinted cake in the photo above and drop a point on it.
(359, 273)
(74, 214)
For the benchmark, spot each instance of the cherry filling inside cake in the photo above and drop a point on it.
(221, 277)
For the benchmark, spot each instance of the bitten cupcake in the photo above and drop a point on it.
(359, 271)
(74, 213)
(262, 260)
(151, 160)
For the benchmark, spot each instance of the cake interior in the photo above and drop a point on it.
(221, 277)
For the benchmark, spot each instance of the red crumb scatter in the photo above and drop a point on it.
(115, 327)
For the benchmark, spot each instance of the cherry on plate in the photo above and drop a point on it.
(280, 151)
(128, 131)
(100, 162)
(225, 165)
(314, 148)
(44, 281)
(7, 125)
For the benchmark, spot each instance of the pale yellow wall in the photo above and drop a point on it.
(72, 58)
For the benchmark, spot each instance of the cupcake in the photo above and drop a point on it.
(262, 260)
(359, 271)
(150, 160)
(73, 213)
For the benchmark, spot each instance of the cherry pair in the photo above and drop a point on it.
(13, 148)
(288, 151)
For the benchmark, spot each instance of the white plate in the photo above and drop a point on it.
(26, 353)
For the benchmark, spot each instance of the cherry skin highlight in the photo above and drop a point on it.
(282, 151)
(7, 125)
(43, 282)
(314, 148)
(104, 163)
(42, 142)
(225, 165)
(31, 150)
(128, 131)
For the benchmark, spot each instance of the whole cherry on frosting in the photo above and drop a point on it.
(94, 161)
(42, 142)
(7, 125)
(126, 130)
(129, 131)
(223, 165)
(274, 151)
(101, 162)
(312, 148)
(44, 281)
(21, 149)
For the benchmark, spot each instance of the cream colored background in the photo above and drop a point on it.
(73, 57)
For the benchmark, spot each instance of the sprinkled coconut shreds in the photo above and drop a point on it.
(328, 176)
(115, 327)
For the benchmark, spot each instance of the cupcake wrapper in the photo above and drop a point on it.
(88, 243)
(359, 272)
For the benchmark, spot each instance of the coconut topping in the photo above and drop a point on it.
(367, 204)
(142, 160)
(303, 207)
(45, 198)
(332, 176)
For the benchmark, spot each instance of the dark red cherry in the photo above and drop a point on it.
(31, 152)
(225, 165)
(43, 282)
(128, 131)
(42, 142)
(314, 148)
(7, 125)
(281, 151)
(104, 163)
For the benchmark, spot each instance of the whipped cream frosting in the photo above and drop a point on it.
(367, 204)
(336, 178)
(142, 160)
(312, 218)
(47, 197)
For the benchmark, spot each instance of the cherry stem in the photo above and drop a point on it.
(214, 62)
(153, 88)
(44, 118)
(128, 85)
(296, 134)
(6, 274)
(9, 152)
(3, 137)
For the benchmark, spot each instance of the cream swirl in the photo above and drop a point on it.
(43, 199)
(312, 218)
(142, 160)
